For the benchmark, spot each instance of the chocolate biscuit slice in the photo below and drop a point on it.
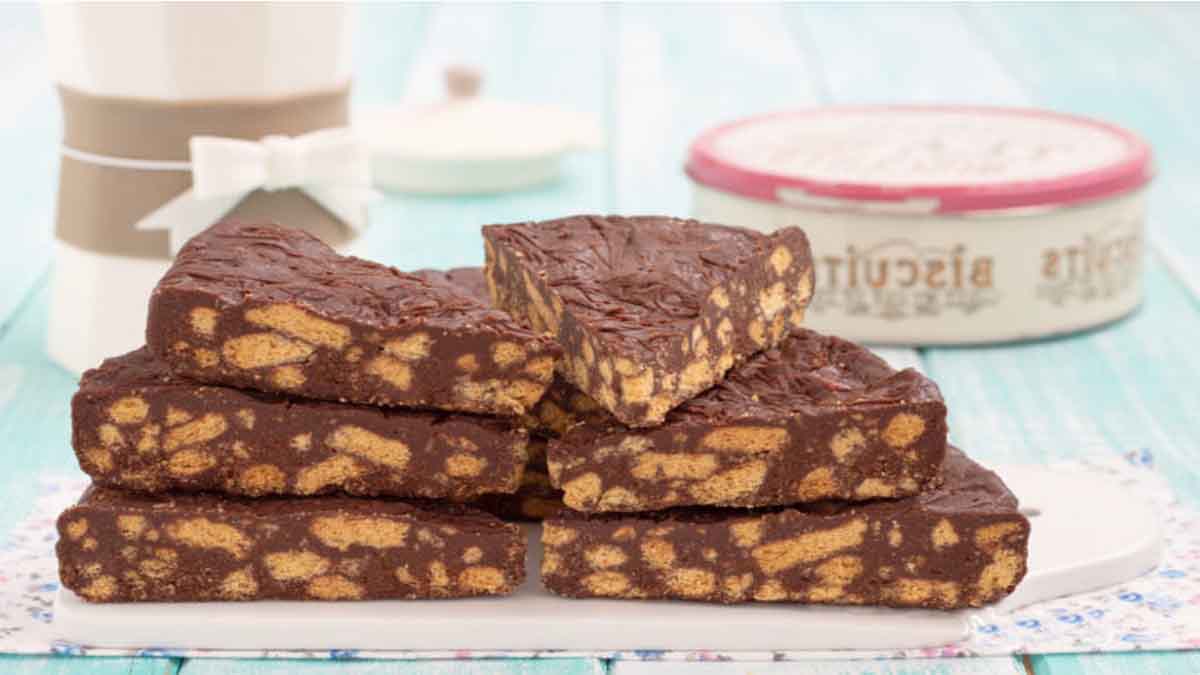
(536, 497)
(964, 544)
(814, 418)
(534, 500)
(650, 311)
(117, 546)
(137, 426)
(274, 309)
(470, 281)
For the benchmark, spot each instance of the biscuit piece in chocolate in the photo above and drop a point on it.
(117, 546)
(137, 426)
(470, 281)
(964, 544)
(650, 311)
(274, 309)
(534, 500)
(814, 418)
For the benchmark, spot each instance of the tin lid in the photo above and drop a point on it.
(468, 143)
(920, 159)
(475, 129)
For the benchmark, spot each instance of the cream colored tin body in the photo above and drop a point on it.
(941, 224)
(918, 279)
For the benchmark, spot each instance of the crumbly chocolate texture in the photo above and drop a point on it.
(814, 418)
(137, 426)
(118, 546)
(650, 311)
(466, 280)
(535, 500)
(275, 309)
(964, 544)
(470, 281)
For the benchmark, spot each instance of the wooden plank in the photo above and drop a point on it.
(1144, 663)
(1134, 383)
(889, 53)
(977, 666)
(29, 134)
(1129, 65)
(34, 410)
(1125, 387)
(539, 53)
(677, 74)
(366, 667)
(92, 665)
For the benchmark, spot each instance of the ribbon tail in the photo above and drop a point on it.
(187, 215)
(347, 204)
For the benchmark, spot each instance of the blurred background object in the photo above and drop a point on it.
(469, 144)
(941, 224)
(164, 105)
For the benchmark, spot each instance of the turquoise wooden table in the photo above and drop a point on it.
(657, 75)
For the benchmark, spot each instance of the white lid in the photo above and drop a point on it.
(475, 129)
(466, 138)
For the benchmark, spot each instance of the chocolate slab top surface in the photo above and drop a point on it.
(808, 372)
(240, 263)
(636, 279)
(274, 309)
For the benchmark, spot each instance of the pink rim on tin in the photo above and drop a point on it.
(1132, 169)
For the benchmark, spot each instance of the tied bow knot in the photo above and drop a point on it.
(328, 165)
(285, 163)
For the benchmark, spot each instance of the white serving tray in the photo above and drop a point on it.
(1088, 532)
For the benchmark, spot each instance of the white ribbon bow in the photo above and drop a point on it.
(328, 165)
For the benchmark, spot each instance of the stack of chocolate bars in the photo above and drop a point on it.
(288, 398)
(710, 448)
(308, 426)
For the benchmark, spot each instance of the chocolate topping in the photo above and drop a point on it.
(807, 373)
(240, 264)
(636, 280)
(270, 308)
(649, 311)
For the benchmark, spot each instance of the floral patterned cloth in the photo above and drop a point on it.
(1158, 611)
